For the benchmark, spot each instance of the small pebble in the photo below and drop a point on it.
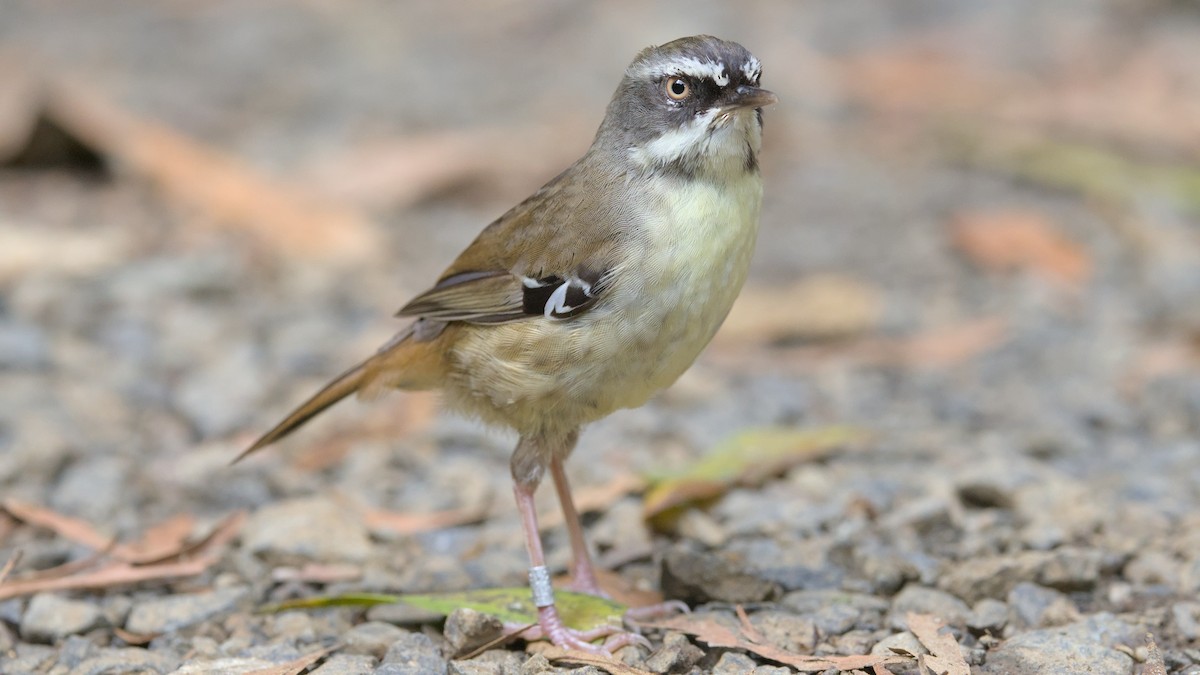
(51, 617)
(676, 655)
(160, 615)
(372, 638)
(924, 600)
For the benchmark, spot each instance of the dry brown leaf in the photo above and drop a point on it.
(605, 663)
(72, 529)
(317, 573)
(1160, 360)
(297, 666)
(947, 347)
(819, 308)
(159, 542)
(945, 657)
(204, 555)
(136, 639)
(68, 568)
(7, 525)
(941, 347)
(398, 172)
(228, 192)
(1139, 95)
(411, 523)
(717, 635)
(915, 78)
(881, 669)
(9, 565)
(748, 628)
(1010, 240)
(619, 589)
(593, 498)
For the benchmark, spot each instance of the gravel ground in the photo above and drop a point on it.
(1036, 488)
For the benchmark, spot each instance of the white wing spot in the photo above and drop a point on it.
(557, 304)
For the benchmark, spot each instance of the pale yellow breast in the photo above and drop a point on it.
(682, 270)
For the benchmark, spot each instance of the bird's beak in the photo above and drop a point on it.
(750, 97)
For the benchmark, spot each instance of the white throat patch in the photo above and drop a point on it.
(714, 140)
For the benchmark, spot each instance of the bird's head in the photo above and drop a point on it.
(692, 106)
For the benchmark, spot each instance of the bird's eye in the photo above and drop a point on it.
(678, 88)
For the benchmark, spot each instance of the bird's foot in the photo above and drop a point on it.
(657, 611)
(550, 627)
(586, 583)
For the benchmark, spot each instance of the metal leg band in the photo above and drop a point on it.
(539, 583)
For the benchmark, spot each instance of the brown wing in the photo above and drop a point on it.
(552, 255)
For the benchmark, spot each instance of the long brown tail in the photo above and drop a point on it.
(405, 362)
(345, 384)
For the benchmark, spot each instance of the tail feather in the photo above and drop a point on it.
(345, 384)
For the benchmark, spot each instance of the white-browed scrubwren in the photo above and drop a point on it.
(598, 290)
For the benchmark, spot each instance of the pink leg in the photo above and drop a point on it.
(550, 625)
(583, 574)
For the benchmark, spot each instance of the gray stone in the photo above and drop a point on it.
(94, 486)
(218, 398)
(1069, 568)
(347, 664)
(924, 600)
(786, 630)
(676, 655)
(76, 650)
(228, 666)
(467, 629)
(1037, 606)
(733, 663)
(772, 670)
(697, 578)
(1065, 569)
(1065, 650)
(491, 662)
(899, 643)
(372, 638)
(316, 528)
(12, 609)
(926, 515)
(29, 658)
(1186, 616)
(413, 654)
(988, 616)
(1153, 567)
(127, 660)
(161, 615)
(536, 664)
(22, 346)
(51, 617)
(836, 612)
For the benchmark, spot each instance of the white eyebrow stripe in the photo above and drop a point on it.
(693, 67)
(752, 69)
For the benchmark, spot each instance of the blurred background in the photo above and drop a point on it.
(980, 242)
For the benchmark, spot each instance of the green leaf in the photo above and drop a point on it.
(749, 458)
(511, 605)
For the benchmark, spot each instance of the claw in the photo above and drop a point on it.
(550, 627)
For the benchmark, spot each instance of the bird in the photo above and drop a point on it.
(595, 292)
